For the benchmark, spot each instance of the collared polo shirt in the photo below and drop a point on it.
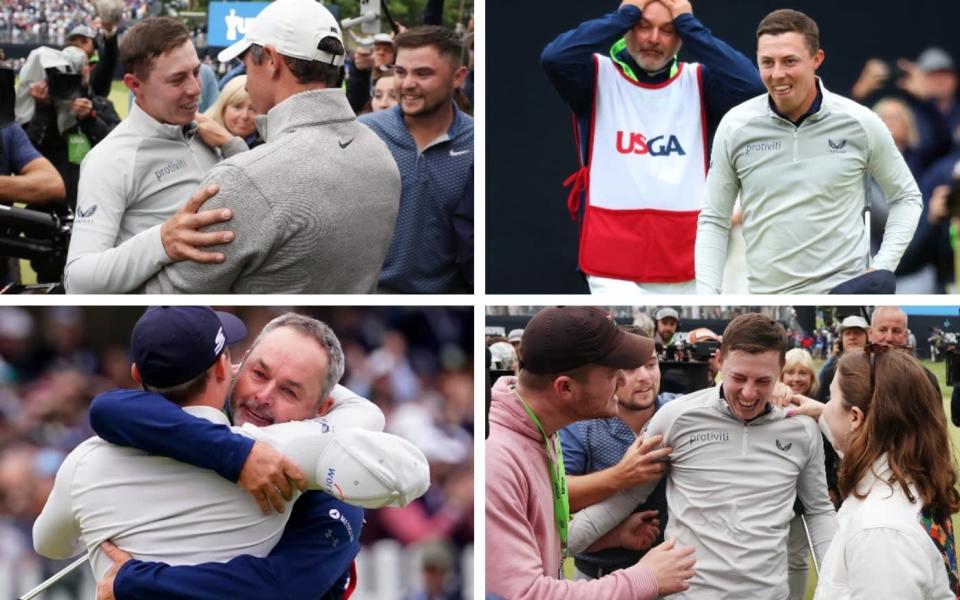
(422, 257)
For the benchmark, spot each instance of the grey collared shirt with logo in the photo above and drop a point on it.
(730, 492)
(130, 183)
(802, 190)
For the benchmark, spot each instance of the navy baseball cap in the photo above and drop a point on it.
(173, 344)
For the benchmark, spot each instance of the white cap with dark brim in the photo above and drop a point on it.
(294, 28)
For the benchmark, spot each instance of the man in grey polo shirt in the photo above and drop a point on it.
(798, 157)
(160, 509)
(736, 468)
(314, 207)
(133, 215)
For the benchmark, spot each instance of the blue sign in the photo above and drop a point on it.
(227, 21)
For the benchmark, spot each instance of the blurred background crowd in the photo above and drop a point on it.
(414, 363)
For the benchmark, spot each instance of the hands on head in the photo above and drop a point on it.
(676, 7)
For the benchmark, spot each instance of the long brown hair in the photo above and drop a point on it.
(905, 420)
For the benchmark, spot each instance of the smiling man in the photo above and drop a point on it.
(798, 156)
(604, 456)
(736, 468)
(134, 181)
(314, 207)
(432, 142)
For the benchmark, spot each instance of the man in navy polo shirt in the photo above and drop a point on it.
(432, 141)
(603, 456)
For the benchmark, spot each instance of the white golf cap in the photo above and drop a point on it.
(295, 28)
(854, 322)
(364, 468)
(668, 313)
(515, 335)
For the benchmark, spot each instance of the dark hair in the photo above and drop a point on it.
(310, 71)
(754, 333)
(446, 41)
(787, 20)
(904, 418)
(147, 40)
(184, 392)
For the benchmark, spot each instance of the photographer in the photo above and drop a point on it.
(69, 119)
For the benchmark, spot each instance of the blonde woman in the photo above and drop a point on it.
(234, 111)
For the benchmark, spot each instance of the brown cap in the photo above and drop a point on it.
(561, 338)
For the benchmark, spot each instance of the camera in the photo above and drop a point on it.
(64, 86)
(41, 237)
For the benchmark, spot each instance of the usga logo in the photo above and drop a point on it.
(636, 143)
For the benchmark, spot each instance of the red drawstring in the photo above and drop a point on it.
(353, 581)
(579, 181)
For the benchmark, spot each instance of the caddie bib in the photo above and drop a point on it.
(645, 176)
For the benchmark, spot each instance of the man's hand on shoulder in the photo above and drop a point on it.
(267, 475)
(180, 233)
(119, 557)
(678, 7)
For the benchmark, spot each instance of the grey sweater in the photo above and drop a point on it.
(313, 208)
(802, 191)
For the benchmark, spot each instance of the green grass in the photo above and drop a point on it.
(939, 370)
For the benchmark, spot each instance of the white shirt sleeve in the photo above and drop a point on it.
(886, 563)
(713, 225)
(887, 167)
(351, 411)
(56, 533)
(812, 490)
(95, 264)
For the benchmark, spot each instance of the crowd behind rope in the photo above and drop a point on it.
(414, 364)
(49, 21)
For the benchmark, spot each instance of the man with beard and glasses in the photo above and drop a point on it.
(736, 467)
(289, 374)
(642, 119)
(604, 456)
(571, 369)
(432, 141)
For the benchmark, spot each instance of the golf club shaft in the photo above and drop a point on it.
(55, 578)
(813, 553)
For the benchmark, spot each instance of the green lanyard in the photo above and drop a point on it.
(558, 479)
(618, 47)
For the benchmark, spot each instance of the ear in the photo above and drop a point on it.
(273, 60)
(135, 373)
(563, 385)
(818, 57)
(133, 84)
(324, 407)
(459, 76)
(222, 369)
(858, 419)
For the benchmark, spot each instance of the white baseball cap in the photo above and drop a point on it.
(294, 27)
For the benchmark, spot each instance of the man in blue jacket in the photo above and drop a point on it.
(642, 118)
(312, 560)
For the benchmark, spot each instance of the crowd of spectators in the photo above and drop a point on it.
(49, 21)
(415, 364)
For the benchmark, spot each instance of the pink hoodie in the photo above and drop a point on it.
(522, 543)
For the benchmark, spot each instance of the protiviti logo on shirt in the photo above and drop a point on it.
(169, 168)
(637, 143)
(710, 437)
